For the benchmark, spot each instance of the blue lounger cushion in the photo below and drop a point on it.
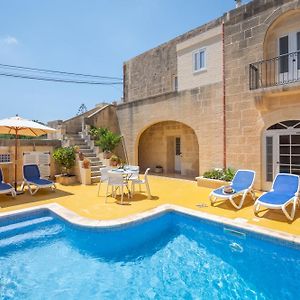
(40, 181)
(32, 176)
(5, 186)
(285, 190)
(241, 184)
(275, 198)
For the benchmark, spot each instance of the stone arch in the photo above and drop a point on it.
(285, 113)
(269, 120)
(156, 145)
(281, 21)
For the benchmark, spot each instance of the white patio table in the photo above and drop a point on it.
(127, 173)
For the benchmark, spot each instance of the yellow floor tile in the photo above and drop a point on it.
(84, 201)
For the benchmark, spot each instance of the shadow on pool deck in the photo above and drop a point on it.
(27, 198)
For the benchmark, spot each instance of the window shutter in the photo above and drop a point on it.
(298, 49)
(283, 50)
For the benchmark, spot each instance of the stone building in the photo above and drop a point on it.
(224, 94)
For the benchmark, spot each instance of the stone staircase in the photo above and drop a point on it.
(96, 163)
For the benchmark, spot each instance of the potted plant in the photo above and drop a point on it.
(81, 156)
(85, 171)
(65, 157)
(158, 169)
(216, 178)
(115, 160)
(76, 149)
(86, 164)
(108, 141)
(96, 133)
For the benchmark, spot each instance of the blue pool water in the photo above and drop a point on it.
(170, 256)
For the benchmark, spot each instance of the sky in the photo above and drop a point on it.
(85, 36)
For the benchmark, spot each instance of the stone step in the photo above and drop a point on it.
(87, 151)
(94, 159)
(75, 138)
(80, 144)
(95, 179)
(95, 173)
(90, 155)
(96, 166)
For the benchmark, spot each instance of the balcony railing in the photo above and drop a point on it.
(283, 69)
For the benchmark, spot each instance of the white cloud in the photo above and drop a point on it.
(9, 40)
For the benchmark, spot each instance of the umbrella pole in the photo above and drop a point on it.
(16, 160)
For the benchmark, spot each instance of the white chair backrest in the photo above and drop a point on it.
(115, 179)
(146, 173)
(132, 168)
(104, 173)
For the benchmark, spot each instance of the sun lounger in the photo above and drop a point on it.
(31, 174)
(6, 188)
(241, 185)
(285, 190)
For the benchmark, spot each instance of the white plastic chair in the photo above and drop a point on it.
(135, 173)
(103, 177)
(141, 181)
(116, 181)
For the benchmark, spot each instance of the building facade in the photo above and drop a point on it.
(224, 94)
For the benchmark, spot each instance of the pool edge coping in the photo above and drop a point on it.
(76, 219)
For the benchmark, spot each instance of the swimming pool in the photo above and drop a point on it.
(168, 256)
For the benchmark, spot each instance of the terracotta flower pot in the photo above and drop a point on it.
(66, 179)
(107, 154)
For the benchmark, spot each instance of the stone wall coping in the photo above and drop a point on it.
(30, 142)
(91, 111)
(164, 96)
(209, 34)
(99, 110)
(78, 220)
(185, 36)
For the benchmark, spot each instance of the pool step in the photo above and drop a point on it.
(30, 236)
(20, 227)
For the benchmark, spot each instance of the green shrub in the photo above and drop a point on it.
(221, 174)
(108, 141)
(96, 132)
(65, 157)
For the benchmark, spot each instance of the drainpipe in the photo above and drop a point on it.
(224, 98)
(124, 79)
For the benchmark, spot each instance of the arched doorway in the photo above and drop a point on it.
(281, 143)
(172, 145)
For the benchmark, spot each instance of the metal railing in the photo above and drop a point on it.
(280, 70)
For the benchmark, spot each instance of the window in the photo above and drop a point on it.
(175, 83)
(199, 60)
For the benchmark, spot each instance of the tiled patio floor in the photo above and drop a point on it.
(84, 201)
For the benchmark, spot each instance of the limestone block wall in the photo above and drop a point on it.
(8, 146)
(200, 109)
(152, 73)
(245, 31)
(106, 117)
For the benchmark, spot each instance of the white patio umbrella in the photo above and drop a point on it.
(19, 126)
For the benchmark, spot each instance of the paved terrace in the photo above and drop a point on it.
(83, 200)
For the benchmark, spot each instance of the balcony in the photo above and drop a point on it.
(281, 70)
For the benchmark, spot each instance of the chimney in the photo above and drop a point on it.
(238, 3)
